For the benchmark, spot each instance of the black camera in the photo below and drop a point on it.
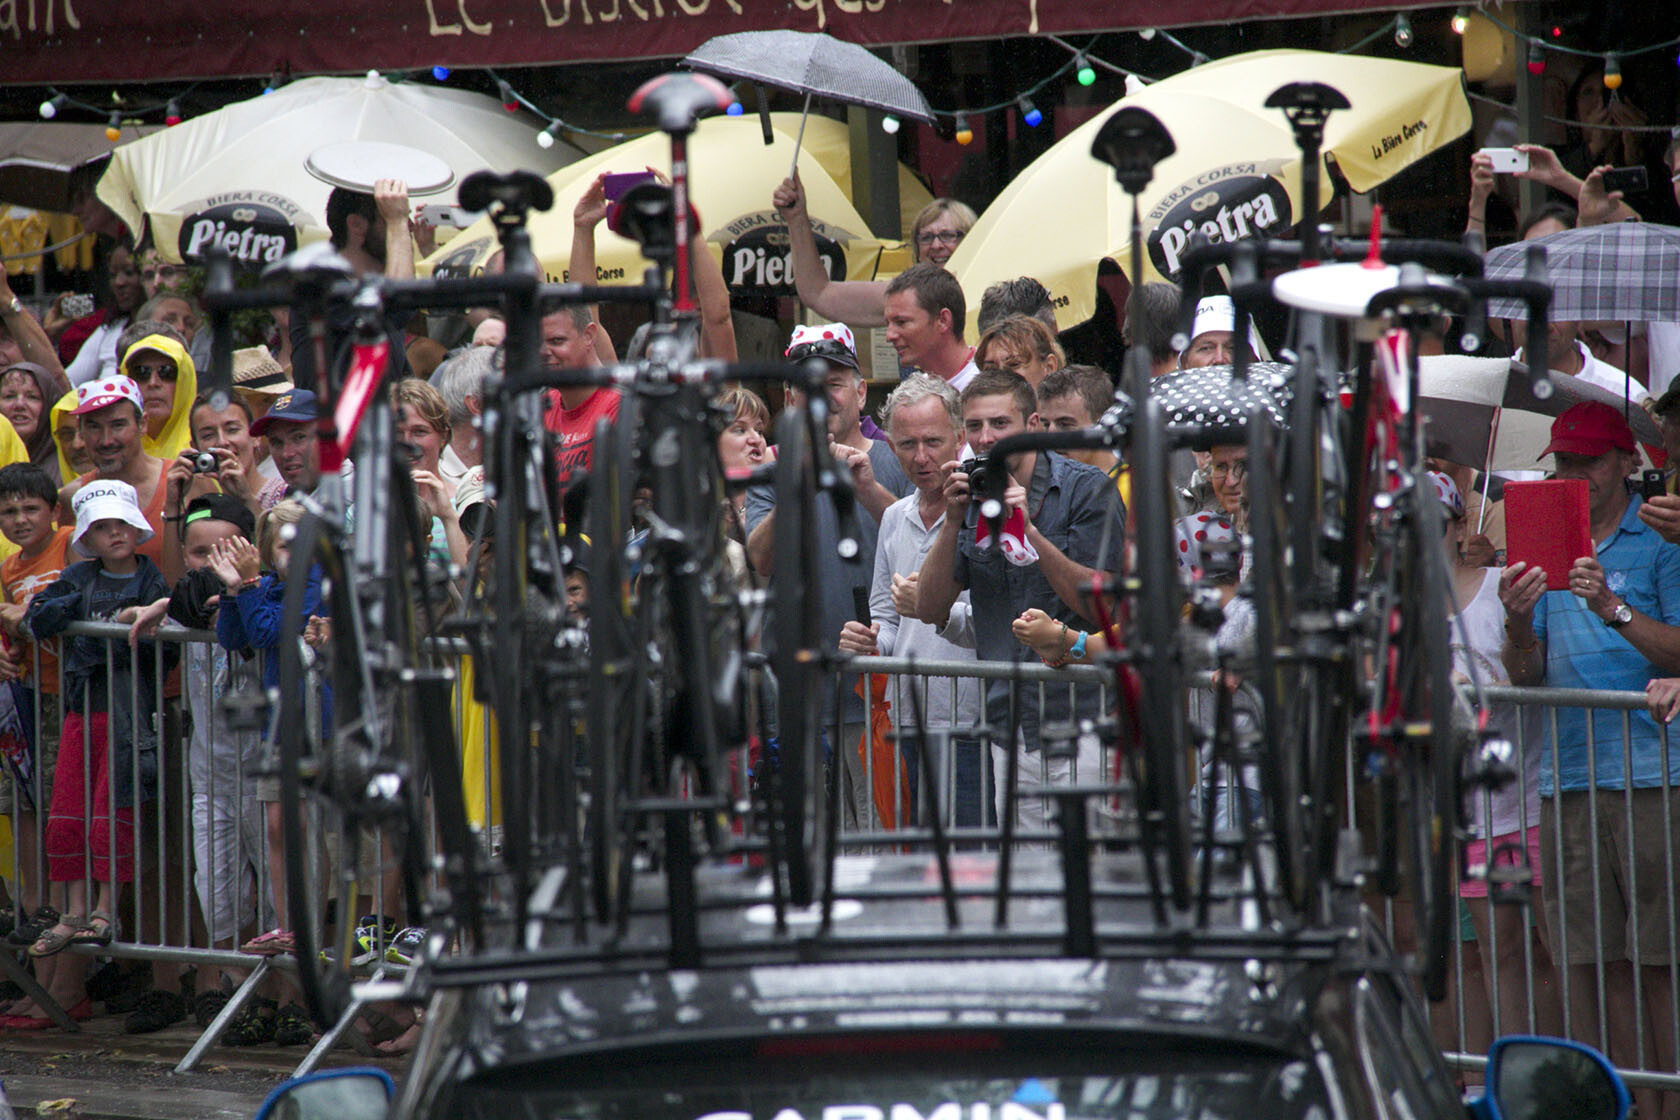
(205, 463)
(976, 470)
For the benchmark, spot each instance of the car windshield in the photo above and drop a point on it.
(831, 1087)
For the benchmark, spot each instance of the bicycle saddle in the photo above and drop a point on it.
(1133, 141)
(313, 266)
(1313, 97)
(677, 100)
(512, 195)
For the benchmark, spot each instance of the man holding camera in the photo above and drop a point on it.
(1063, 524)
(1617, 626)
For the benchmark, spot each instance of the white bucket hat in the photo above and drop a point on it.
(107, 498)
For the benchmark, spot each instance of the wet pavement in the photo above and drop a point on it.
(130, 1077)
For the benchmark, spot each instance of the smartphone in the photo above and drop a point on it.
(1628, 180)
(1506, 160)
(1653, 483)
(76, 305)
(442, 214)
(617, 185)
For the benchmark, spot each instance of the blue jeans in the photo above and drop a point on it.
(971, 805)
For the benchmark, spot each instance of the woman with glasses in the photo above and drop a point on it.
(168, 383)
(934, 236)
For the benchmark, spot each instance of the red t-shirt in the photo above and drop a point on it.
(576, 429)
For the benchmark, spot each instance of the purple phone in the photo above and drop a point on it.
(616, 185)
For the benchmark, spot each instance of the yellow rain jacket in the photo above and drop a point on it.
(176, 435)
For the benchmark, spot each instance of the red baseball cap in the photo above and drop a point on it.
(1590, 428)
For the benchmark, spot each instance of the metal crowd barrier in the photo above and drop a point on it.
(162, 917)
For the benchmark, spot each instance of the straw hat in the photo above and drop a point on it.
(254, 369)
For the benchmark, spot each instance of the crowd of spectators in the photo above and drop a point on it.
(110, 510)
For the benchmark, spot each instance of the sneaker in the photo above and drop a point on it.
(405, 949)
(373, 937)
(292, 1026)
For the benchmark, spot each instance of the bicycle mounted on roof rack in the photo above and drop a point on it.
(654, 855)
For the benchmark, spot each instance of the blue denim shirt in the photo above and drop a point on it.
(1072, 505)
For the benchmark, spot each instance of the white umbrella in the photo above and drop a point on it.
(236, 176)
(1480, 411)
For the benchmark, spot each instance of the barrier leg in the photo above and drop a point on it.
(21, 976)
(234, 1005)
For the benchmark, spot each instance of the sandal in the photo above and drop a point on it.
(207, 1005)
(157, 1011)
(254, 1025)
(52, 942)
(98, 931)
(378, 1027)
(292, 1026)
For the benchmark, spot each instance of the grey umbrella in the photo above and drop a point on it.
(1628, 271)
(814, 64)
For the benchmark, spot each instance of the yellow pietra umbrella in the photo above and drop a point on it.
(1236, 173)
(237, 177)
(733, 174)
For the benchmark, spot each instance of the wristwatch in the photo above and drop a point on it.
(16, 306)
(1620, 617)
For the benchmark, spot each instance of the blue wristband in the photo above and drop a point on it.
(1076, 652)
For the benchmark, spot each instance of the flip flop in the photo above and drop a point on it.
(270, 944)
(83, 1010)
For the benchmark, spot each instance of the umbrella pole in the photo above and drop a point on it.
(799, 141)
(1487, 470)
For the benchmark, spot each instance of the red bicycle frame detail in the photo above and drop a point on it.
(337, 433)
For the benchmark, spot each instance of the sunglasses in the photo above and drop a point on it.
(164, 371)
(825, 348)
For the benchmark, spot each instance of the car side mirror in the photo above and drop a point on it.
(357, 1093)
(1534, 1078)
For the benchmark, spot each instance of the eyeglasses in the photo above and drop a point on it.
(939, 237)
(143, 373)
(161, 272)
(1235, 471)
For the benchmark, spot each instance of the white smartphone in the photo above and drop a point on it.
(1506, 160)
(441, 214)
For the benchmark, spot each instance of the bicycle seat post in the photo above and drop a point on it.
(1132, 141)
(1308, 105)
(676, 102)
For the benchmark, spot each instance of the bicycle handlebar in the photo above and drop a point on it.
(1255, 255)
(997, 459)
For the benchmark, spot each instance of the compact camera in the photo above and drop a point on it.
(204, 463)
(976, 470)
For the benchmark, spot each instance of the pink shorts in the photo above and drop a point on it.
(1475, 858)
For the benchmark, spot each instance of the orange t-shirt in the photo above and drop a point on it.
(21, 577)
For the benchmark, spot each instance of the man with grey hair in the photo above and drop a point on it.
(459, 379)
(922, 419)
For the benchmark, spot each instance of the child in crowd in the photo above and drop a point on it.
(227, 823)
(249, 619)
(111, 759)
(28, 500)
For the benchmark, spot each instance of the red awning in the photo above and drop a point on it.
(66, 41)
